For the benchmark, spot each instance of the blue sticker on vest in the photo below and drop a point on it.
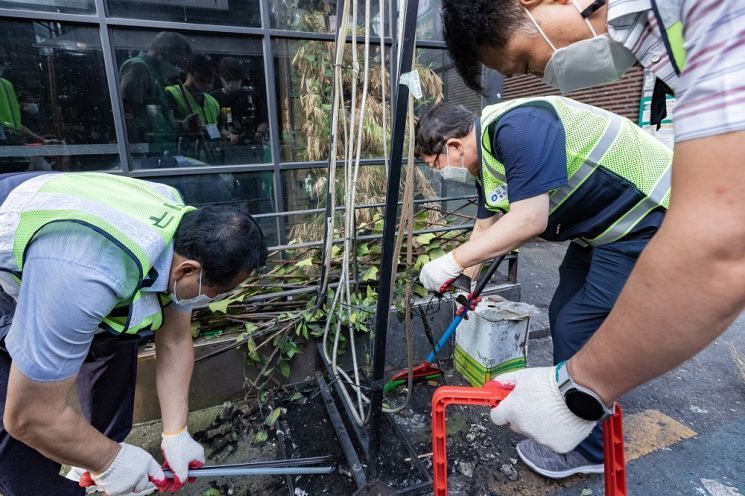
(499, 194)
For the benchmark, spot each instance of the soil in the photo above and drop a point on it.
(482, 460)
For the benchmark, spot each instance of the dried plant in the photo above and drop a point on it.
(313, 77)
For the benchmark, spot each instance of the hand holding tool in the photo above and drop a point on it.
(132, 471)
(181, 454)
(438, 274)
(427, 370)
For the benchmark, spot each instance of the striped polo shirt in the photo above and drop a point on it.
(710, 91)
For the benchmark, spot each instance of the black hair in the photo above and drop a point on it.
(440, 123)
(199, 66)
(469, 25)
(230, 69)
(172, 46)
(225, 240)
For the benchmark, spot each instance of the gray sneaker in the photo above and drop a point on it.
(548, 463)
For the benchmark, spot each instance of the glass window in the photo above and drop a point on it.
(319, 16)
(229, 12)
(451, 86)
(429, 20)
(192, 100)
(249, 191)
(55, 110)
(305, 80)
(62, 6)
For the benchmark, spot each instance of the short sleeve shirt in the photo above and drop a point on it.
(531, 143)
(710, 90)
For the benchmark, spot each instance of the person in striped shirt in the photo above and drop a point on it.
(689, 284)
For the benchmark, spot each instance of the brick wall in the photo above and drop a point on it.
(621, 97)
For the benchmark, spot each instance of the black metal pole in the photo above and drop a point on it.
(389, 235)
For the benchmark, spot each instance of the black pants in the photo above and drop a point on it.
(590, 280)
(106, 386)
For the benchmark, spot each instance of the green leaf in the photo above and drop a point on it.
(195, 330)
(284, 368)
(262, 397)
(363, 249)
(371, 274)
(261, 436)
(292, 351)
(221, 306)
(335, 250)
(297, 395)
(425, 239)
(250, 327)
(420, 261)
(436, 253)
(272, 417)
(420, 291)
(308, 262)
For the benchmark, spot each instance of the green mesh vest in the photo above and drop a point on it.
(617, 173)
(187, 104)
(140, 217)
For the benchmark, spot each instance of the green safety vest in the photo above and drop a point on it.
(10, 112)
(187, 104)
(668, 16)
(140, 217)
(617, 173)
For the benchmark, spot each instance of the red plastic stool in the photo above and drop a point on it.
(490, 395)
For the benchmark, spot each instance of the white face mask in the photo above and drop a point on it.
(199, 301)
(585, 63)
(456, 174)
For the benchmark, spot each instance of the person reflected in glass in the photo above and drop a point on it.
(196, 111)
(12, 129)
(240, 121)
(144, 78)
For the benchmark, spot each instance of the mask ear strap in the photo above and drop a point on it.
(584, 17)
(535, 23)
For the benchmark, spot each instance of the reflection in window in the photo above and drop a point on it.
(429, 20)
(319, 16)
(191, 101)
(229, 12)
(305, 78)
(249, 191)
(305, 189)
(55, 111)
(63, 6)
(452, 88)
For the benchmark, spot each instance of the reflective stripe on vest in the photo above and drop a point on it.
(10, 113)
(625, 224)
(139, 217)
(667, 14)
(595, 138)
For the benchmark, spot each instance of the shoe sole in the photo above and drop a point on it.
(562, 474)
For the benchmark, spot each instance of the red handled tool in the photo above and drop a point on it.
(428, 370)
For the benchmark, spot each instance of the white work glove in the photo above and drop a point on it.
(440, 272)
(181, 453)
(75, 474)
(133, 472)
(536, 409)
